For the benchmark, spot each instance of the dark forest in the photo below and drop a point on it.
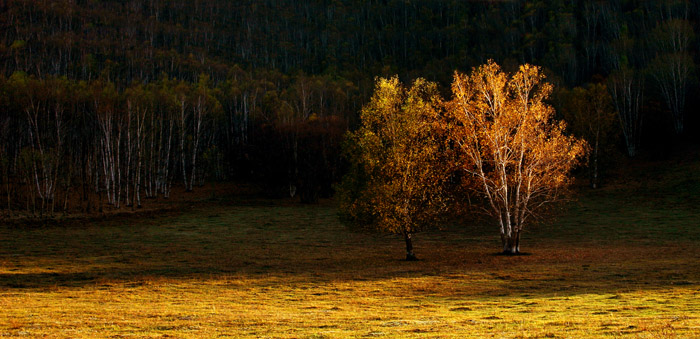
(107, 103)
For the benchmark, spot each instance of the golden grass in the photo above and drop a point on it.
(287, 271)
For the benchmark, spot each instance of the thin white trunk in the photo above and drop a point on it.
(199, 111)
(129, 151)
(182, 142)
(117, 169)
(167, 182)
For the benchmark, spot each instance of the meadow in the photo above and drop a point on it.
(620, 261)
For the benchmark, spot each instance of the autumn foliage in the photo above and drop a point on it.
(497, 135)
(515, 156)
(397, 175)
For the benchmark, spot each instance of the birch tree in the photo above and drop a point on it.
(397, 174)
(168, 109)
(673, 66)
(138, 102)
(626, 87)
(204, 106)
(510, 150)
(111, 125)
(183, 117)
(45, 109)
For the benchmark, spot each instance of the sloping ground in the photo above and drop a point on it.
(620, 261)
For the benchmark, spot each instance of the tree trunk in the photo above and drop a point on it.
(137, 179)
(182, 145)
(594, 179)
(129, 150)
(118, 169)
(410, 256)
(195, 142)
(9, 197)
(594, 170)
(166, 164)
(511, 242)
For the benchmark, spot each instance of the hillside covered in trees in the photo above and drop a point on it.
(112, 102)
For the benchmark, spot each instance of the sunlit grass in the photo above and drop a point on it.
(613, 264)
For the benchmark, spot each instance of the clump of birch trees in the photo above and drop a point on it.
(85, 146)
(496, 138)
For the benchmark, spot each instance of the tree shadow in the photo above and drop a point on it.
(509, 254)
(307, 246)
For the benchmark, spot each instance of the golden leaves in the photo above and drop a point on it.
(497, 129)
(508, 139)
(397, 169)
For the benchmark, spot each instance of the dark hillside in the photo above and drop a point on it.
(114, 101)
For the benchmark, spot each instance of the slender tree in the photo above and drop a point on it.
(45, 117)
(626, 87)
(673, 66)
(590, 114)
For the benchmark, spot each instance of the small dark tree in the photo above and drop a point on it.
(590, 114)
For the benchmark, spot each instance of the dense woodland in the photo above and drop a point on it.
(107, 103)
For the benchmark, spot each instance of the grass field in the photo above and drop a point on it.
(622, 261)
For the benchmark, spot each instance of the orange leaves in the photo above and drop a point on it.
(518, 156)
(497, 130)
(395, 183)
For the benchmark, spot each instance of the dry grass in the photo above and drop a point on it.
(614, 264)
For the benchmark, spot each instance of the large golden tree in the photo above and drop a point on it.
(396, 176)
(512, 152)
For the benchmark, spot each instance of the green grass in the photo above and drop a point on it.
(623, 261)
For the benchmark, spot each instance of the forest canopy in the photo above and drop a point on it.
(125, 98)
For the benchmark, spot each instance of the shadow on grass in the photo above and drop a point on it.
(509, 254)
(306, 245)
(478, 272)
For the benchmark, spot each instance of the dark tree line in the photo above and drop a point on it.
(69, 145)
(132, 97)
